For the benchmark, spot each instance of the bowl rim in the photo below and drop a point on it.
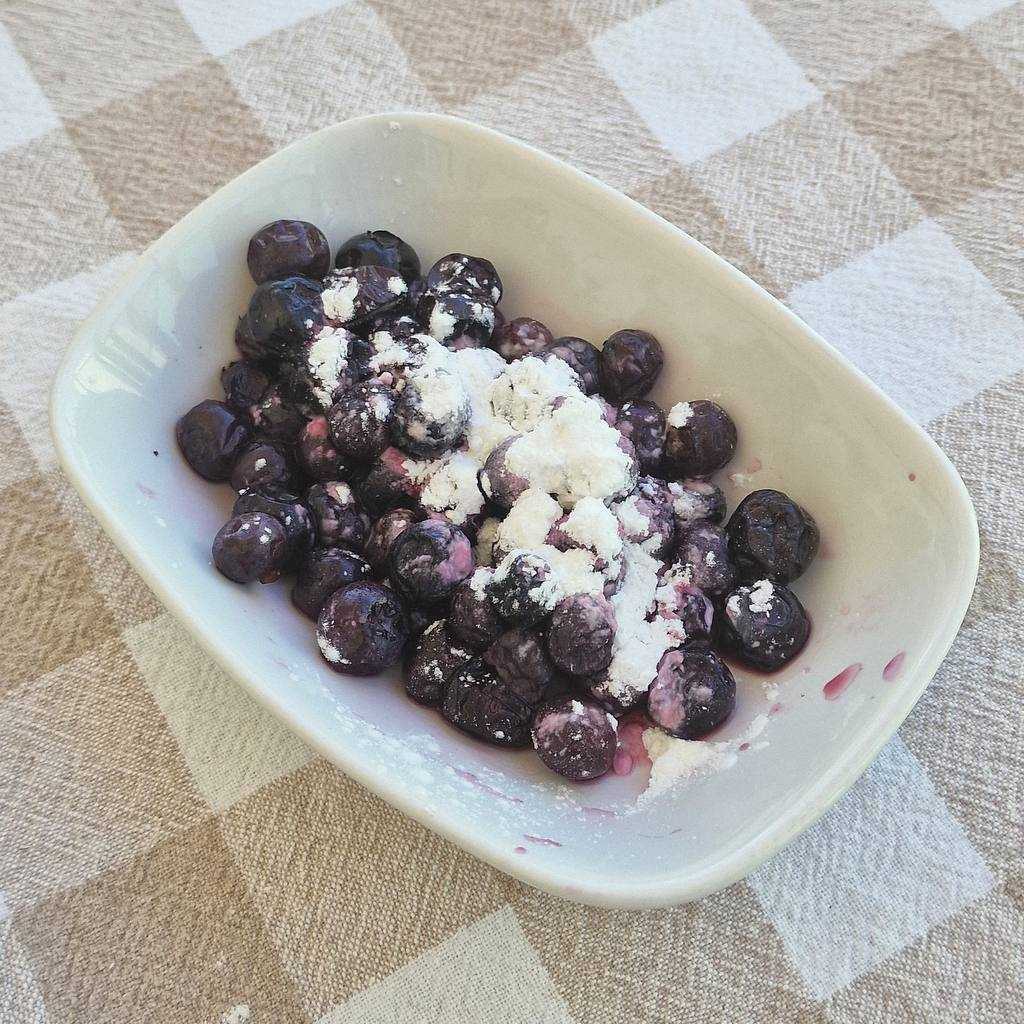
(658, 891)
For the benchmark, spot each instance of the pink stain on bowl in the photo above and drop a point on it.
(519, 849)
(599, 812)
(480, 784)
(775, 709)
(147, 491)
(744, 746)
(541, 840)
(894, 667)
(834, 688)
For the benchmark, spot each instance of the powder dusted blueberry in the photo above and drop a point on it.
(643, 422)
(389, 484)
(646, 517)
(431, 413)
(687, 612)
(277, 418)
(282, 316)
(316, 452)
(263, 465)
(523, 589)
(581, 634)
(693, 693)
(383, 534)
(379, 249)
(771, 535)
(244, 384)
(521, 337)
(250, 547)
(396, 324)
(289, 512)
(697, 501)
(458, 272)
(630, 363)
(360, 421)
(479, 703)
(331, 364)
(583, 357)
(700, 438)
(362, 629)
(521, 662)
(356, 295)
(288, 248)
(321, 572)
(428, 561)
(764, 625)
(435, 658)
(474, 619)
(211, 436)
(703, 559)
(447, 316)
(575, 738)
(339, 520)
(497, 482)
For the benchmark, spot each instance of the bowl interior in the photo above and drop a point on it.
(900, 544)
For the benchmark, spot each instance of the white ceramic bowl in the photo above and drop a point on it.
(899, 560)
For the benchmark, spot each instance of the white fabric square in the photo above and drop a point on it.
(225, 25)
(961, 13)
(919, 319)
(21, 1002)
(702, 75)
(884, 866)
(231, 745)
(485, 972)
(25, 112)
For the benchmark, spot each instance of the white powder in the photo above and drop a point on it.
(635, 524)
(523, 395)
(479, 580)
(442, 398)
(679, 415)
(761, 595)
(327, 360)
(420, 352)
(259, 464)
(442, 323)
(592, 524)
(529, 521)
(340, 302)
(452, 489)
(397, 286)
(330, 652)
(578, 708)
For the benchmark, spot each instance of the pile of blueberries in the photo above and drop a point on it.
(323, 496)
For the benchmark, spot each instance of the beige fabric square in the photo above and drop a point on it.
(349, 889)
(359, 66)
(837, 42)
(89, 774)
(56, 219)
(542, 106)
(462, 49)
(170, 937)
(158, 154)
(21, 1002)
(806, 194)
(944, 119)
(85, 53)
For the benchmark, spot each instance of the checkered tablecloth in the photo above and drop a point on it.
(169, 852)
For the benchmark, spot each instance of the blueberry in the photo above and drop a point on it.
(360, 421)
(435, 658)
(771, 535)
(474, 620)
(630, 364)
(697, 501)
(521, 662)
(316, 452)
(282, 316)
(428, 560)
(389, 484)
(646, 517)
(581, 634)
(321, 572)
(643, 422)
(419, 618)
(521, 337)
(497, 482)
(262, 465)
(339, 520)
(289, 512)
(583, 357)
(699, 440)
(331, 364)
(362, 629)
(576, 739)
(244, 384)
(523, 589)
(211, 436)
(688, 613)
(447, 316)
(383, 534)
(286, 248)
(457, 272)
(250, 547)
(479, 703)
(358, 295)
(396, 323)
(693, 693)
(431, 413)
(703, 559)
(379, 249)
(764, 625)
(277, 418)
